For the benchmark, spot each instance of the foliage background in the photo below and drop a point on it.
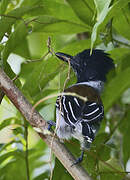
(73, 26)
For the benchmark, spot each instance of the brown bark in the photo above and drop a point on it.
(22, 104)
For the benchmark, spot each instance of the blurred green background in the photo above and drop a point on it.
(72, 25)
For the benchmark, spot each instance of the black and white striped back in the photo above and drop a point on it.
(78, 115)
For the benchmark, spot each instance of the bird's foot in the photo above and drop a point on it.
(50, 124)
(78, 160)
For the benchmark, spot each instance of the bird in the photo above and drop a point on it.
(76, 118)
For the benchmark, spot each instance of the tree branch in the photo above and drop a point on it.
(60, 151)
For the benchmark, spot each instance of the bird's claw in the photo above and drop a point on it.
(50, 124)
(78, 160)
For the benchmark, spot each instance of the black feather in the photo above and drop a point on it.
(89, 67)
(92, 67)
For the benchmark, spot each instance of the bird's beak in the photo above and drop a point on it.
(64, 57)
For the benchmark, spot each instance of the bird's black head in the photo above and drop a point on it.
(88, 67)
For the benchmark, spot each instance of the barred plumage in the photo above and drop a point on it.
(77, 113)
(74, 117)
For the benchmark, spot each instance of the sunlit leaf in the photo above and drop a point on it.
(53, 25)
(102, 12)
(100, 4)
(83, 9)
(49, 7)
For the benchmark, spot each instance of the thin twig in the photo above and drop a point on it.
(10, 16)
(32, 20)
(50, 51)
(36, 60)
(68, 75)
(26, 150)
(15, 78)
(14, 17)
(58, 94)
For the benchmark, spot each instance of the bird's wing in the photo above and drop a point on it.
(92, 112)
(77, 113)
(75, 110)
(70, 108)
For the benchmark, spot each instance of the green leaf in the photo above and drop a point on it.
(90, 162)
(12, 154)
(111, 172)
(8, 112)
(5, 123)
(9, 19)
(3, 5)
(100, 5)
(60, 171)
(76, 47)
(22, 49)
(17, 36)
(50, 8)
(48, 111)
(125, 129)
(18, 130)
(38, 75)
(38, 157)
(1, 47)
(83, 10)
(118, 84)
(118, 54)
(9, 71)
(104, 9)
(42, 176)
(116, 8)
(105, 15)
(102, 151)
(9, 170)
(54, 25)
(123, 17)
